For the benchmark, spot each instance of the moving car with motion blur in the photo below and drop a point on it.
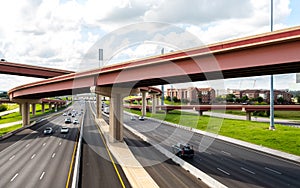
(48, 130)
(183, 150)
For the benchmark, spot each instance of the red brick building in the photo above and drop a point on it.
(265, 94)
(192, 94)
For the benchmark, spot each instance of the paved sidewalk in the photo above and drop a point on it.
(9, 111)
(12, 123)
(295, 123)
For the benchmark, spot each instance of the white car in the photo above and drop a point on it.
(75, 121)
(141, 118)
(64, 130)
(106, 110)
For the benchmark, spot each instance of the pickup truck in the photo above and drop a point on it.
(183, 150)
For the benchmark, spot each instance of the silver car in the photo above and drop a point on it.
(48, 130)
(64, 130)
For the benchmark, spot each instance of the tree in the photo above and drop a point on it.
(244, 98)
(260, 99)
(168, 98)
(280, 100)
(230, 97)
(175, 99)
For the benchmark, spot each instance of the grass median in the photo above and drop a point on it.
(284, 138)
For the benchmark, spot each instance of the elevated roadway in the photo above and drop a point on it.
(269, 53)
(30, 70)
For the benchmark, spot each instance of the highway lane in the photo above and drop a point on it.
(39, 160)
(98, 169)
(163, 170)
(233, 165)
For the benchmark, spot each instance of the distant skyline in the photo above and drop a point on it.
(59, 33)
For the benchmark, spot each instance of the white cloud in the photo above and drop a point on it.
(55, 34)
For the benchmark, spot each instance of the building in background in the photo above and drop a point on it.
(193, 94)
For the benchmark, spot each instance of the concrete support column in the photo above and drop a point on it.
(20, 108)
(116, 118)
(33, 109)
(98, 106)
(43, 107)
(153, 103)
(55, 107)
(25, 114)
(144, 104)
(50, 106)
(248, 115)
(200, 113)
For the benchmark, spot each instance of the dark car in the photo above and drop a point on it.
(48, 130)
(183, 150)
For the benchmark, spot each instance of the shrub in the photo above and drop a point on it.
(3, 107)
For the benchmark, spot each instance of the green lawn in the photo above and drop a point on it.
(9, 129)
(285, 138)
(16, 116)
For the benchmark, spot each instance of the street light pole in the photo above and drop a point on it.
(162, 86)
(272, 127)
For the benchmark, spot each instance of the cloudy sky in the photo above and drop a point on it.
(65, 33)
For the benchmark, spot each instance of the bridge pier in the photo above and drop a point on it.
(144, 104)
(115, 108)
(154, 102)
(98, 106)
(25, 114)
(43, 107)
(25, 109)
(248, 115)
(116, 117)
(33, 109)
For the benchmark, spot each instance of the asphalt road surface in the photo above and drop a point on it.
(164, 171)
(32, 159)
(98, 167)
(230, 164)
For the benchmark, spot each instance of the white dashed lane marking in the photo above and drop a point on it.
(12, 179)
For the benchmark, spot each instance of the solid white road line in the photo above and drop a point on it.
(12, 179)
(223, 171)
(245, 169)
